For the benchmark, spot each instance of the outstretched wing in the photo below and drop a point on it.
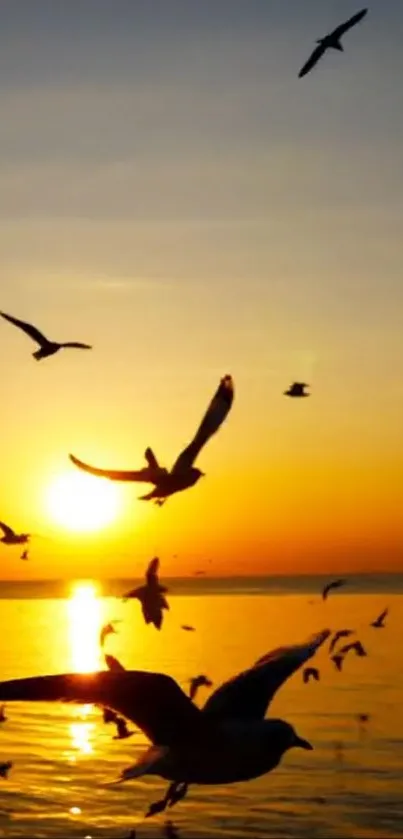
(312, 60)
(153, 701)
(77, 345)
(8, 531)
(152, 571)
(352, 21)
(145, 475)
(214, 417)
(248, 695)
(30, 330)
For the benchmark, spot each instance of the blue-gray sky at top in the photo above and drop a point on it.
(162, 167)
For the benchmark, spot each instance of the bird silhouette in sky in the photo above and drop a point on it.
(25, 555)
(297, 390)
(341, 633)
(188, 628)
(107, 629)
(310, 673)
(356, 647)
(46, 347)
(379, 623)
(331, 41)
(151, 595)
(197, 682)
(183, 473)
(10, 537)
(330, 586)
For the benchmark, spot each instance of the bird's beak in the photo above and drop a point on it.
(300, 743)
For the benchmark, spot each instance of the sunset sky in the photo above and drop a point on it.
(173, 194)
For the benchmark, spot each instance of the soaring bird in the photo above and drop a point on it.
(10, 537)
(188, 628)
(341, 633)
(25, 555)
(107, 629)
(297, 389)
(331, 586)
(46, 347)
(183, 473)
(379, 623)
(151, 595)
(227, 741)
(310, 673)
(331, 41)
(356, 646)
(197, 682)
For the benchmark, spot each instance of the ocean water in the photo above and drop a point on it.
(64, 757)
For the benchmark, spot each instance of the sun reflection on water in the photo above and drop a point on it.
(84, 621)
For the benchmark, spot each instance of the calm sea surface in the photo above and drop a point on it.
(351, 785)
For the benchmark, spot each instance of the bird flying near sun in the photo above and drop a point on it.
(331, 41)
(183, 473)
(46, 347)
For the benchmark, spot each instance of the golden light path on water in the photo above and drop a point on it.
(85, 618)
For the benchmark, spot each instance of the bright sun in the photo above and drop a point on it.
(81, 502)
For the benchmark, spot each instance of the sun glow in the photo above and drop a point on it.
(85, 621)
(81, 502)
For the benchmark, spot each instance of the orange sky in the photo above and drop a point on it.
(174, 195)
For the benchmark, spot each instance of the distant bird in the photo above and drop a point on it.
(198, 682)
(183, 473)
(199, 573)
(3, 717)
(187, 627)
(331, 586)
(25, 555)
(151, 596)
(341, 633)
(379, 623)
(363, 718)
(46, 347)
(123, 731)
(310, 673)
(11, 537)
(229, 740)
(113, 664)
(338, 661)
(107, 629)
(297, 389)
(170, 831)
(5, 768)
(356, 646)
(331, 41)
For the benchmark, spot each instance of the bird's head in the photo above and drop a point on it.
(195, 474)
(284, 736)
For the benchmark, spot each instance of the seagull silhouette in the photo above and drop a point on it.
(106, 630)
(297, 389)
(331, 586)
(46, 347)
(310, 673)
(331, 41)
(183, 473)
(341, 633)
(356, 646)
(197, 682)
(10, 537)
(25, 555)
(187, 627)
(151, 596)
(227, 741)
(379, 623)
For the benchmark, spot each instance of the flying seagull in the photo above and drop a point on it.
(310, 673)
(198, 682)
(331, 586)
(331, 41)
(356, 646)
(341, 633)
(107, 629)
(151, 595)
(25, 555)
(379, 623)
(188, 628)
(183, 473)
(46, 347)
(227, 741)
(10, 537)
(297, 389)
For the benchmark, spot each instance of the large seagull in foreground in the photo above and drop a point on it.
(183, 473)
(228, 740)
(331, 41)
